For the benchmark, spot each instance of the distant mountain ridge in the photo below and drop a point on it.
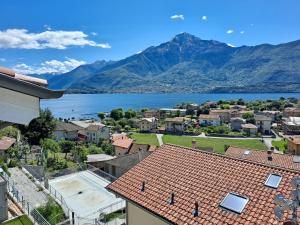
(190, 64)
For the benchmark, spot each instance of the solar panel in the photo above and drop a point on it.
(273, 180)
(234, 202)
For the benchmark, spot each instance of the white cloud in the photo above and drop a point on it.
(94, 33)
(177, 17)
(139, 52)
(229, 31)
(2, 59)
(242, 32)
(204, 17)
(22, 39)
(52, 66)
(230, 45)
(47, 27)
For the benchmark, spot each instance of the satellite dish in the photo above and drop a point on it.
(279, 212)
(296, 182)
(279, 199)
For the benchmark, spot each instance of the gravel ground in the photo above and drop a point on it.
(27, 188)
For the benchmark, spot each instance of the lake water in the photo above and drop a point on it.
(87, 105)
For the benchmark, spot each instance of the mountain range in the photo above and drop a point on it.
(189, 64)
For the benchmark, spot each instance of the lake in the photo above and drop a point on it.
(87, 105)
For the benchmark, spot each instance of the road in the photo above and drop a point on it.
(27, 188)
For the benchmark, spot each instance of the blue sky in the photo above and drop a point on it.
(58, 35)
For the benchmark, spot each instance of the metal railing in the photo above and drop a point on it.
(27, 207)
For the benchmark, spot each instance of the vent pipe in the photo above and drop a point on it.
(171, 199)
(269, 152)
(143, 186)
(196, 210)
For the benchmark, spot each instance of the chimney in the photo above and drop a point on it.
(269, 153)
(194, 143)
(143, 186)
(171, 199)
(196, 210)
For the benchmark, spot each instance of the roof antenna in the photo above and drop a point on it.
(171, 199)
(143, 186)
(196, 210)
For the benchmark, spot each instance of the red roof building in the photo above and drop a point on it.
(178, 185)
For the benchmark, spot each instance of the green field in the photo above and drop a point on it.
(280, 145)
(22, 220)
(216, 143)
(145, 138)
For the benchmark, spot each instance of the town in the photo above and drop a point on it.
(60, 171)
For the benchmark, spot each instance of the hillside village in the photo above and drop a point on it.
(43, 157)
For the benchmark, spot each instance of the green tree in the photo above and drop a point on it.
(101, 115)
(130, 114)
(52, 212)
(66, 146)
(50, 145)
(116, 114)
(39, 128)
(9, 131)
(108, 148)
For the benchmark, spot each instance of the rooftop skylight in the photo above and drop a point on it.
(273, 180)
(234, 202)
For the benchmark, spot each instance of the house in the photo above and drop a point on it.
(224, 114)
(291, 125)
(175, 125)
(263, 123)
(66, 131)
(178, 185)
(98, 160)
(293, 145)
(20, 96)
(92, 131)
(120, 165)
(151, 113)
(266, 157)
(148, 124)
(274, 115)
(249, 129)
(170, 112)
(236, 123)
(209, 120)
(122, 145)
(291, 112)
(5, 144)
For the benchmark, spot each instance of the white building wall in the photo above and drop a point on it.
(18, 108)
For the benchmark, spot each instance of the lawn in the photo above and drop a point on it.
(280, 145)
(145, 138)
(216, 143)
(21, 220)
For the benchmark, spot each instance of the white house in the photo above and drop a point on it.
(263, 123)
(66, 131)
(148, 124)
(209, 120)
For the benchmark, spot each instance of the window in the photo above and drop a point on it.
(234, 202)
(273, 180)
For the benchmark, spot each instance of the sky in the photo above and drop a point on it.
(55, 36)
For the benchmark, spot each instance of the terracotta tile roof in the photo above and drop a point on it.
(152, 148)
(115, 137)
(204, 116)
(62, 126)
(123, 142)
(34, 80)
(6, 143)
(194, 175)
(280, 160)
